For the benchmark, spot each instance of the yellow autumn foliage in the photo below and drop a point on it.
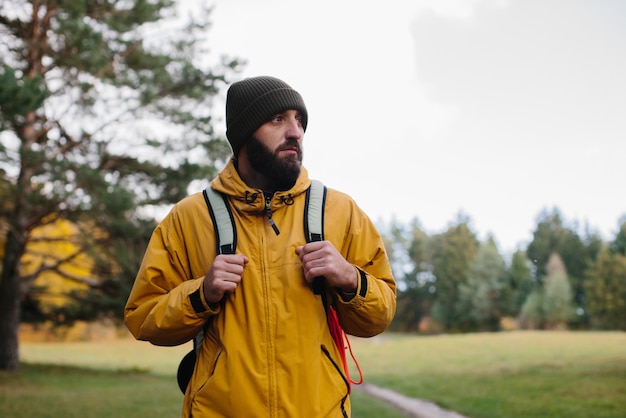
(56, 243)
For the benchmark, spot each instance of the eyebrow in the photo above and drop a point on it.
(298, 113)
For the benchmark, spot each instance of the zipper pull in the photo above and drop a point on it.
(268, 212)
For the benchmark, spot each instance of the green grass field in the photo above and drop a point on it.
(513, 375)
(504, 375)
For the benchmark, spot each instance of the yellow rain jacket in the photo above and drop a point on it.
(268, 351)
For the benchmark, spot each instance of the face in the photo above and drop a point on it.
(275, 150)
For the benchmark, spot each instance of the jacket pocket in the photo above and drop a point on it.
(205, 368)
(205, 371)
(337, 377)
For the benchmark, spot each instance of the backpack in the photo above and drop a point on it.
(226, 243)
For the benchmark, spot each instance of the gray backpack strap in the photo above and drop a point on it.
(222, 217)
(314, 212)
(225, 243)
(225, 234)
(314, 221)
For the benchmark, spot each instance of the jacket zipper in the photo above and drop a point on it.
(268, 212)
(271, 355)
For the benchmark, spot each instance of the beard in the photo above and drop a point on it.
(281, 173)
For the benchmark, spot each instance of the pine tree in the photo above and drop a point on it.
(618, 245)
(552, 235)
(606, 290)
(453, 252)
(520, 281)
(105, 117)
(415, 279)
(483, 297)
(557, 303)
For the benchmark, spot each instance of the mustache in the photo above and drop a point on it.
(290, 144)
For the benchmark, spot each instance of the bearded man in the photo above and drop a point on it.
(268, 350)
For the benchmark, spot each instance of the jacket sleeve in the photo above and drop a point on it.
(166, 305)
(373, 307)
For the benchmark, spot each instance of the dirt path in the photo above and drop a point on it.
(413, 407)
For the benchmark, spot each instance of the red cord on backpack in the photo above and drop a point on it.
(342, 342)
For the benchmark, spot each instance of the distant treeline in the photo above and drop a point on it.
(452, 282)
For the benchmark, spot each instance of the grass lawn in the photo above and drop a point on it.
(49, 391)
(122, 378)
(504, 375)
(512, 375)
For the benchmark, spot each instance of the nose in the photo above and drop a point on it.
(294, 128)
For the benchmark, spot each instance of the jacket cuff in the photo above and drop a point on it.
(199, 303)
(361, 287)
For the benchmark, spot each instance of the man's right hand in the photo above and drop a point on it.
(224, 276)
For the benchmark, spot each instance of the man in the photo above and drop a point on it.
(268, 351)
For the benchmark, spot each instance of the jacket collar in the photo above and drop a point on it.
(248, 199)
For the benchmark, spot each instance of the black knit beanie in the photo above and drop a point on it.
(253, 101)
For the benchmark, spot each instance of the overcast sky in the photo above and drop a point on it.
(424, 109)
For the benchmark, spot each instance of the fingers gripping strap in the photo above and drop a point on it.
(314, 216)
(225, 235)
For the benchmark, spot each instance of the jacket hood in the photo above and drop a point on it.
(249, 199)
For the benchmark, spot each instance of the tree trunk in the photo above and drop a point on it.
(10, 300)
(19, 224)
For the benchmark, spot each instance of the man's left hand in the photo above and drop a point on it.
(321, 259)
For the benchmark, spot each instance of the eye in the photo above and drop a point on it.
(277, 118)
